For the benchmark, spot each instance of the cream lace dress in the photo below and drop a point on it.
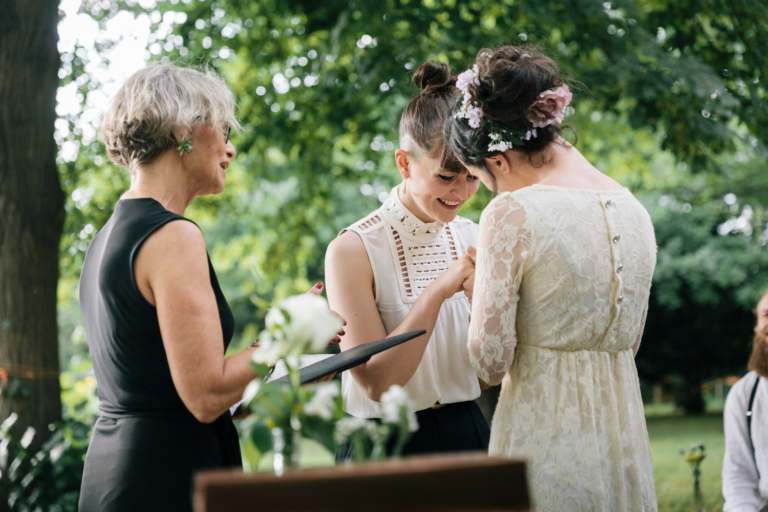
(561, 292)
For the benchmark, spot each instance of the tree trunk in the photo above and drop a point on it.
(31, 213)
(693, 402)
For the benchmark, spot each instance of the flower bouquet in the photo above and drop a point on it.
(285, 413)
(695, 457)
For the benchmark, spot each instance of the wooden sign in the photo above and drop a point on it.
(455, 482)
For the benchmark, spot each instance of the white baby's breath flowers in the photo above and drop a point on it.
(298, 325)
(346, 427)
(323, 403)
(393, 401)
(498, 144)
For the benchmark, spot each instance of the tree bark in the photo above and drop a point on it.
(693, 401)
(31, 213)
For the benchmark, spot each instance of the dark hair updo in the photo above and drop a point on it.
(511, 79)
(426, 114)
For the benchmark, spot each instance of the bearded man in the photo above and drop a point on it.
(745, 466)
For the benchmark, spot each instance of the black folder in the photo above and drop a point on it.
(350, 358)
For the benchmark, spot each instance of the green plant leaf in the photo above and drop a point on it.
(261, 435)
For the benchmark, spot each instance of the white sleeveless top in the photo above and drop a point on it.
(406, 255)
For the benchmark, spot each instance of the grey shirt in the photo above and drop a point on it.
(741, 489)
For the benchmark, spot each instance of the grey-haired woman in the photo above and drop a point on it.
(156, 320)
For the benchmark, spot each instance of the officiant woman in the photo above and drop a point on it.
(155, 317)
(403, 268)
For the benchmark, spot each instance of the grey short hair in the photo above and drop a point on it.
(159, 105)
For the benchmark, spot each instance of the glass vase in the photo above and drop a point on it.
(286, 449)
(698, 498)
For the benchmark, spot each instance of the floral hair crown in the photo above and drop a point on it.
(549, 108)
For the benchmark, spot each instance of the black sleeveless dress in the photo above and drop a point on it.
(146, 444)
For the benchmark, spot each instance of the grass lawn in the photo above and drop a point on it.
(674, 482)
(668, 432)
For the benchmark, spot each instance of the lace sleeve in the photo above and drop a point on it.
(504, 246)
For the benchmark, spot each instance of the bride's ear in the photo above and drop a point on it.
(498, 164)
(403, 161)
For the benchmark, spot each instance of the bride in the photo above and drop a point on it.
(401, 269)
(564, 266)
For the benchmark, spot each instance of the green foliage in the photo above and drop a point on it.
(14, 388)
(670, 97)
(49, 479)
(712, 269)
(694, 88)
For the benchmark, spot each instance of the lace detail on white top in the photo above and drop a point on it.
(369, 223)
(423, 250)
(401, 268)
(407, 224)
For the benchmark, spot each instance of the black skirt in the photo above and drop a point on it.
(147, 464)
(457, 427)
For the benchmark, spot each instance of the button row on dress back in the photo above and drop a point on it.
(616, 239)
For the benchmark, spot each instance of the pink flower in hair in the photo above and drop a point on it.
(475, 116)
(467, 78)
(549, 107)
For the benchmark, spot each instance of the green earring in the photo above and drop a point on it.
(185, 146)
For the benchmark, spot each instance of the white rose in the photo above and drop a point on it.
(270, 350)
(311, 324)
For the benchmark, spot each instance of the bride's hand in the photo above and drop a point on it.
(469, 283)
(468, 286)
(318, 290)
(451, 281)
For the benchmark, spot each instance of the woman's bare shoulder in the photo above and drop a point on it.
(347, 266)
(178, 237)
(347, 247)
(172, 257)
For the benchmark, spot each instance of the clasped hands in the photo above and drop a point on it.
(469, 283)
(458, 277)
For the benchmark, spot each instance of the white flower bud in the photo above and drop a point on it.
(251, 390)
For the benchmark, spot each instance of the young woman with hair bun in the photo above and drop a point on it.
(403, 268)
(564, 265)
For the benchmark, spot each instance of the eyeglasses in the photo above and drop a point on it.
(227, 132)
